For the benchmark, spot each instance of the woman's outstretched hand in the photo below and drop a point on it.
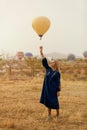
(41, 51)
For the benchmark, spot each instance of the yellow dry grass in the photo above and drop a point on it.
(20, 108)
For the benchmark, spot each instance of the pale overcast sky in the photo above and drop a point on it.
(67, 33)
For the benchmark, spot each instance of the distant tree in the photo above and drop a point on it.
(71, 57)
(34, 64)
(0, 57)
(85, 54)
(9, 61)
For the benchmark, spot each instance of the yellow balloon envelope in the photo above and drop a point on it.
(41, 25)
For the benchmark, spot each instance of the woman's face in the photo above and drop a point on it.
(52, 64)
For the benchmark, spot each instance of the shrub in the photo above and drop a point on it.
(85, 54)
(71, 57)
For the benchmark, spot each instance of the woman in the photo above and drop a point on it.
(51, 85)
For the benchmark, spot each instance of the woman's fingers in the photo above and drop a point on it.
(58, 93)
(41, 47)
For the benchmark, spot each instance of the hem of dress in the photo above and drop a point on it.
(49, 106)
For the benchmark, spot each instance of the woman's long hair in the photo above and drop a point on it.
(57, 68)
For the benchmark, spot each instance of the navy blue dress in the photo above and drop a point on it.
(50, 87)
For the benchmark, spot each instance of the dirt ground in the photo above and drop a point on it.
(20, 108)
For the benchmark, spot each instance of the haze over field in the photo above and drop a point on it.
(67, 32)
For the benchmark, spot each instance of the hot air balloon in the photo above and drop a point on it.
(28, 54)
(20, 55)
(41, 24)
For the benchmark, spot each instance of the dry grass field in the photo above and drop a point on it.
(20, 108)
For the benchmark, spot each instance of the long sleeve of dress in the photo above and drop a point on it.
(58, 76)
(45, 63)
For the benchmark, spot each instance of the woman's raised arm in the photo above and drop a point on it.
(44, 60)
(41, 52)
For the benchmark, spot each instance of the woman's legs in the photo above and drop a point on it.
(49, 115)
(49, 112)
(57, 112)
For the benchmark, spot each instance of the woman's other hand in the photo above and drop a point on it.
(58, 93)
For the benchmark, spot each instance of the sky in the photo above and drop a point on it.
(67, 33)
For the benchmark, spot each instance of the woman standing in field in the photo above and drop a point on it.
(51, 85)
